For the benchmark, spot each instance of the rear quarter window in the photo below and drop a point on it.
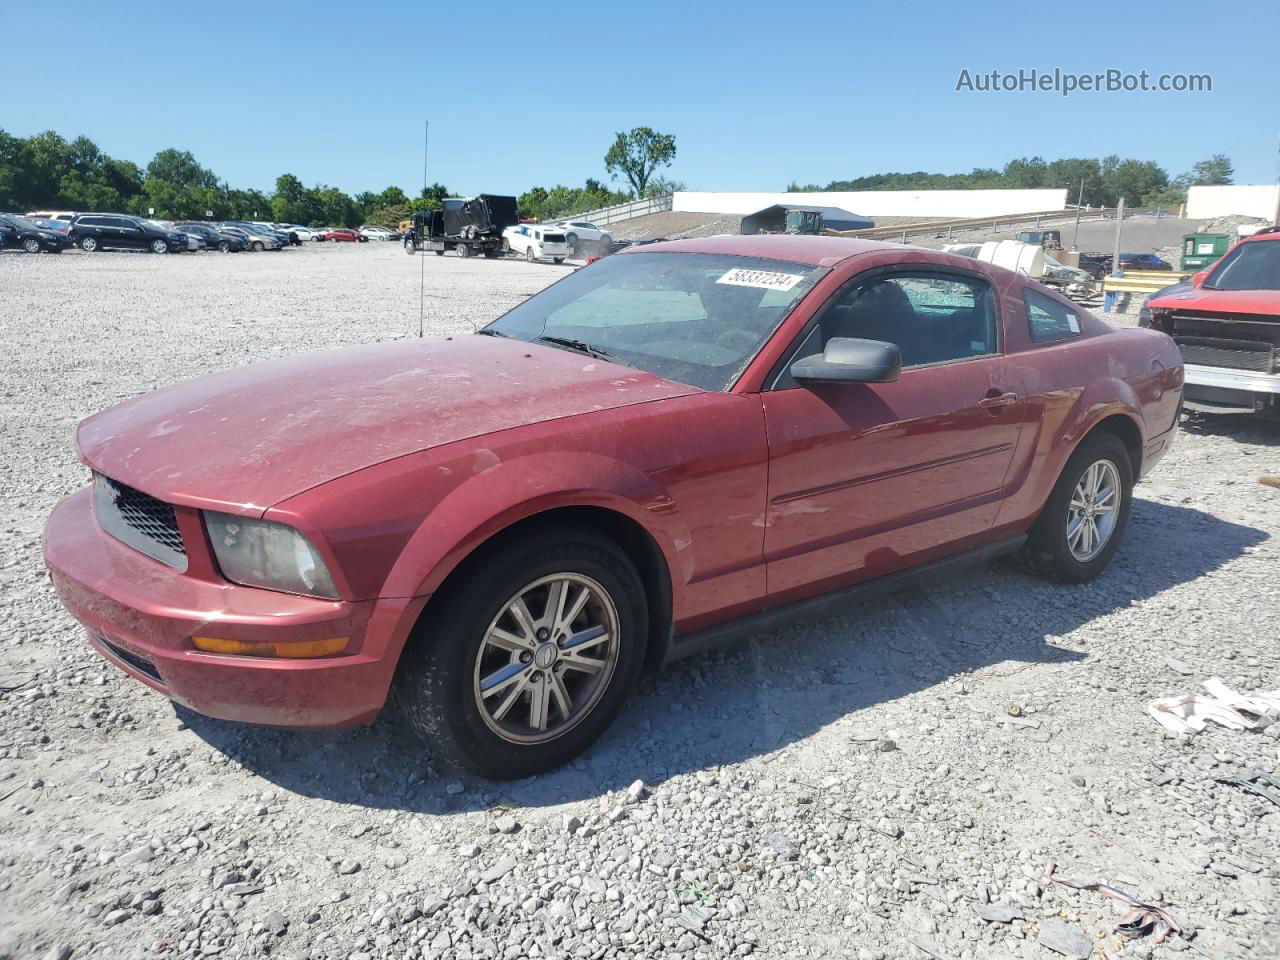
(1049, 320)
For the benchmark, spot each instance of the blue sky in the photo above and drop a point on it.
(518, 94)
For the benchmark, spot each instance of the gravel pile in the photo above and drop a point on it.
(888, 784)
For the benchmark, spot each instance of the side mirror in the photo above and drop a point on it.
(1197, 279)
(850, 360)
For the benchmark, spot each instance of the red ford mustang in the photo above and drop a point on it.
(663, 450)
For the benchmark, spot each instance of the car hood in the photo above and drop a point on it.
(246, 439)
(1263, 302)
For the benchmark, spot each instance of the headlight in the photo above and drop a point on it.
(258, 553)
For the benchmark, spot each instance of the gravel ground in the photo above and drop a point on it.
(855, 787)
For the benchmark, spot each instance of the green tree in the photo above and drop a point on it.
(179, 167)
(636, 155)
(391, 197)
(1216, 171)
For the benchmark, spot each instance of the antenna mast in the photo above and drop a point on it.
(422, 259)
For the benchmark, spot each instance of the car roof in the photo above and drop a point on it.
(818, 251)
(1261, 237)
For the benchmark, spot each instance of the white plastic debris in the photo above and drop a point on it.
(1190, 713)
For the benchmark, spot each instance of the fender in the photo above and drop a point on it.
(509, 491)
(1060, 432)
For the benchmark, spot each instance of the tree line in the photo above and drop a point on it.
(47, 171)
(1141, 182)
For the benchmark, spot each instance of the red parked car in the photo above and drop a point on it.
(674, 446)
(343, 236)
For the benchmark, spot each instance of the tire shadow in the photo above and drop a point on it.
(764, 694)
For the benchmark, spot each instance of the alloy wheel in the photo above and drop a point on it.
(1093, 510)
(547, 658)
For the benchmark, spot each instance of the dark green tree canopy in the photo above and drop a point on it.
(636, 155)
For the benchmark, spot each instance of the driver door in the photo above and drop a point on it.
(869, 478)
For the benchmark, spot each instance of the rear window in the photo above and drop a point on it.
(1048, 319)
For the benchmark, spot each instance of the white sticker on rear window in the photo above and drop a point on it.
(1073, 323)
(763, 279)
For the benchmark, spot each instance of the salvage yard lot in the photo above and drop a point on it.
(851, 787)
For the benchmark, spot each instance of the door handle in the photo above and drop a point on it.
(993, 400)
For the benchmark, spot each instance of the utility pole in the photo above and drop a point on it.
(1115, 252)
(1075, 237)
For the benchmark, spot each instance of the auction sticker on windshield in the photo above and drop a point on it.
(763, 279)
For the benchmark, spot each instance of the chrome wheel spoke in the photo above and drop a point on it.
(499, 680)
(511, 698)
(564, 702)
(555, 604)
(575, 661)
(519, 611)
(575, 608)
(539, 701)
(506, 640)
(587, 638)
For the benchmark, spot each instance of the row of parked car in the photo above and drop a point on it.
(49, 231)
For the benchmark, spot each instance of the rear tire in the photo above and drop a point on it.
(557, 259)
(1057, 549)
(439, 681)
(464, 250)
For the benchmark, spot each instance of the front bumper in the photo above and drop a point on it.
(142, 614)
(1223, 378)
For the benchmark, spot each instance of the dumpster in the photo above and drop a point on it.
(1199, 250)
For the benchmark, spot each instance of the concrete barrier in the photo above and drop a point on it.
(1260, 200)
(883, 203)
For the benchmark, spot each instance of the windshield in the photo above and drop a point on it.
(1250, 266)
(694, 318)
(22, 222)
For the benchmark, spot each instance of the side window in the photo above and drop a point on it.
(1048, 319)
(932, 317)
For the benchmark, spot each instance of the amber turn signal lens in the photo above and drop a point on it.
(298, 649)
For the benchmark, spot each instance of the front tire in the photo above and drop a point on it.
(159, 246)
(31, 245)
(528, 254)
(1083, 521)
(257, 246)
(89, 244)
(530, 656)
(224, 247)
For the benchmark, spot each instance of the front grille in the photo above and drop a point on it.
(1237, 342)
(1235, 354)
(141, 664)
(148, 525)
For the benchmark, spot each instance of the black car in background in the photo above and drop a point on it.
(24, 234)
(100, 231)
(214, 239)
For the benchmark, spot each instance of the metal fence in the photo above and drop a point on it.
(624, 211)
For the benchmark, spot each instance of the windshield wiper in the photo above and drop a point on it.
(581, 346)
(490, 332)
